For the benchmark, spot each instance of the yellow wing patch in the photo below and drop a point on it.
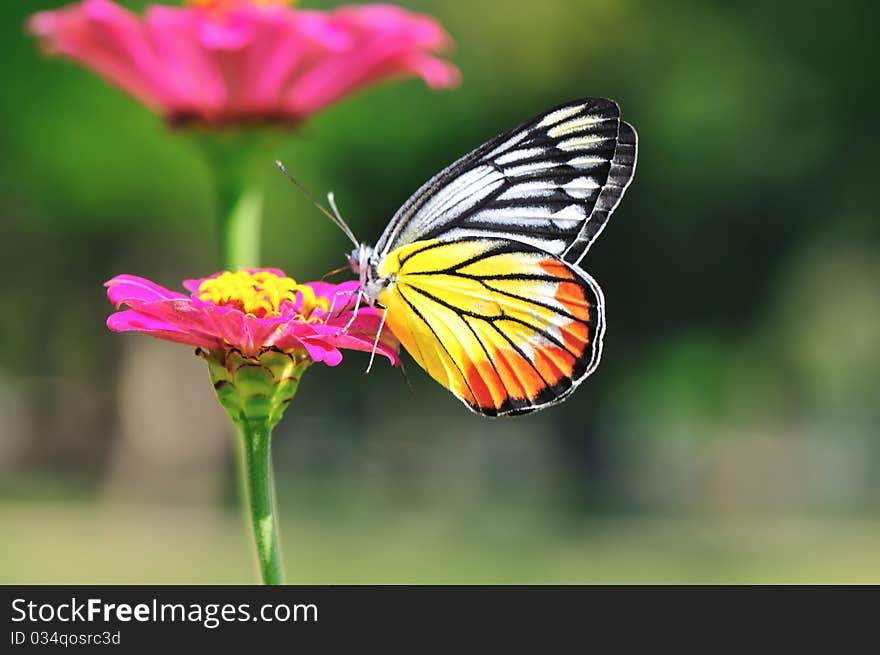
(506, 327)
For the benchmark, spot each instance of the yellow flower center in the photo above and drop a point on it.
(261, 294)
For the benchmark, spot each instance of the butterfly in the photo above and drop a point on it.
(478, 272)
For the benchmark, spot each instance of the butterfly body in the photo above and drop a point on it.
(478, 272)
(363, 262)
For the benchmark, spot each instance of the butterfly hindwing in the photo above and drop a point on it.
(506, 327)
(551, 183)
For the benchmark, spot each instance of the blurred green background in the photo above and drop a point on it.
(730, 434)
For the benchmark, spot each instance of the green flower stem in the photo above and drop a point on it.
(258, 473)
(240, 228)
(238, 162)
(255, 391)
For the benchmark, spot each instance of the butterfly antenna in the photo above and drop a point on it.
(331, 198)
(338, 222)
(337, 271)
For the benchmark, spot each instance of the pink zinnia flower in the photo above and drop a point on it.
(258, 330)
(233, 61)
(252, 311)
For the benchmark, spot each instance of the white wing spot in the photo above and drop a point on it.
(570, 213)
(530, 189)
(553, 246)
(507, 145)
(581, 142)
(516, 155)
(576, 125)
(560, 115)
(581, 187)
(514, 216)
(587, 162)
(532, 167)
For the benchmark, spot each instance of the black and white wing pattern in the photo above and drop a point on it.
(551, 183)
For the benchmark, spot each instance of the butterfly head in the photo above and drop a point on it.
(363, 262)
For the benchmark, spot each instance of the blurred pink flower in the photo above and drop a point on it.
(236, 61)
(251, 311)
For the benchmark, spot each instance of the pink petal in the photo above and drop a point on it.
(361, 335)
(107, 38)
(321, 351)
(132, 290)
(131, 320)
(437, 73)
(193, 285)
(245, 63)
(184, 315)
(340, 297)
(232, 31)
(384, 43)
(283, 44)
(297, 334)
(327, 290)
(195, 85)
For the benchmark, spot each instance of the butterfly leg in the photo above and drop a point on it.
(376, 342)
(357, 307)
(347, 294)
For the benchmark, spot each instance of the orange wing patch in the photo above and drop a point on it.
(506, 327)
(557, 268)
(572, 297)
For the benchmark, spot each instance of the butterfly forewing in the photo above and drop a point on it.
(620, 175)
(551, 183)
(506, 327)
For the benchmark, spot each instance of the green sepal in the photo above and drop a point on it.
(255, 390)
